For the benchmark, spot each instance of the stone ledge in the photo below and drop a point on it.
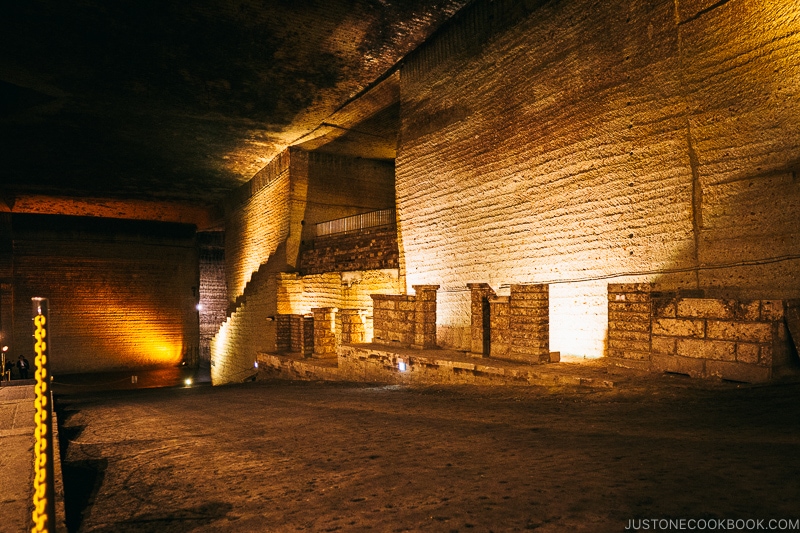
(381, 364)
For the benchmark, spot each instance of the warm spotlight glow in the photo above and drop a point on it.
(187, 382)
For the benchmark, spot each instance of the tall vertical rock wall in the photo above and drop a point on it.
(266, 221)
(122, 294)
(575, 142)
(213, 292)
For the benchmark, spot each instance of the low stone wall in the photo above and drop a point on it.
(324, 332)
(404, 320)
(367, 249)
(741, 340)
(295, 334)
(515, 327)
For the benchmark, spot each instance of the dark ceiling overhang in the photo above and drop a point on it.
(106, 106)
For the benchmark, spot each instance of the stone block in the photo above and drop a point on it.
(739, 331)
(748, 311)
(679, 365)
(707, 349)
(626, 307)
(747, 353)
(630, 297)
(631, 287)
(529, 304)
(615, 316)
(499, 349)
(664, 307)
(664, 345)
(634, 355)
(406, 306)
(765, 355)
(524, 290)
(426, 307)
(772, 310)
(734, 371)
(629, 335)
(636, 346)
(425, 292)
(679, 327)
(705, 308)
(627, 325)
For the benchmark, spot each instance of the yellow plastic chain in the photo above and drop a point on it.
(40, 480)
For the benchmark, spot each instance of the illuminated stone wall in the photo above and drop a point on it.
(367, 249)
(343, 186)
(739, 340)
(122, 293)
(213, 293)
(251, 328)
(574, 143)
(266, 221)
(278, 209)
(257, 222)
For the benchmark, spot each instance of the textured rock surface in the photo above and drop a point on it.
(580, 140)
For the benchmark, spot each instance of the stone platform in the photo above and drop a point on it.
(16, 461)
(385, 364)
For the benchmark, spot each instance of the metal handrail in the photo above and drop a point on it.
(384, 217)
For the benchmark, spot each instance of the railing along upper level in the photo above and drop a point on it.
(384, 217)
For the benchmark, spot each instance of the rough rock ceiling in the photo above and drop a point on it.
(184, 101)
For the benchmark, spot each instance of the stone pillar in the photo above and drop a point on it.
(308, 336)
(529, 310)
(283, 327)
(324, 332)
(296, 333)
(630, 321)
(425, 316)
(350, 325)
(499, 327)
(480, 323)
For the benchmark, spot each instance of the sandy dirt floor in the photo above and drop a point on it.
(294, 456)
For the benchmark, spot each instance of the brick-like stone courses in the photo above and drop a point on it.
(529, 310)
(519, 162)
(499, 326)
(479, 313)
(295, 334)
(253, 232)
(741, 340)
(122, 293)
(629, 319)
(324, 332)
(393, 319)
(519, 324)
(351, 326)
(368, 249)
(425, 316)
(251, 330)
(405, 320)
(213, 293)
